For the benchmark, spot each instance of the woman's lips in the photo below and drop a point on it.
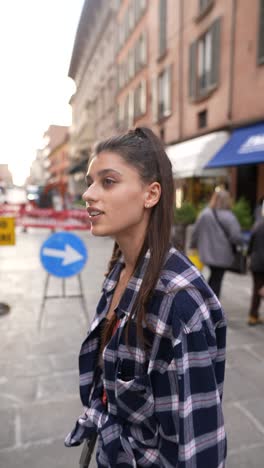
(94, 214)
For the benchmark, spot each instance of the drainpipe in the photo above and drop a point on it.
(233, 174)
(232, 61)
(180, 77)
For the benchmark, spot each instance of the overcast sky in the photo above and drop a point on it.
(36, 40)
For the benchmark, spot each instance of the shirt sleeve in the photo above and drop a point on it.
(190, 411)
(234, 229)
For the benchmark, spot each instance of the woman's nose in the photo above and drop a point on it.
(89, 195)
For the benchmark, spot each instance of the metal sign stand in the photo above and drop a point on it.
(63, 295)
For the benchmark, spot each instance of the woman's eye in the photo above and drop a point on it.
(107, 182)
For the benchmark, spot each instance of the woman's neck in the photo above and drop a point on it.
(130, 247)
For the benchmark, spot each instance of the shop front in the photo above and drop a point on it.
(244, 154)
(194, 183)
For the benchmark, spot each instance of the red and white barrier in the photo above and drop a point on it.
(28, 216)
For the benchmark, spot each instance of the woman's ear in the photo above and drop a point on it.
(152, 194)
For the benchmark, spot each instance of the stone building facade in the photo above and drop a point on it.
(93, 69)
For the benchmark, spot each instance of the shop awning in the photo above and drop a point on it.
(189, 157)
(245, 146)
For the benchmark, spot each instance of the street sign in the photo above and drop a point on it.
(63, 254)
(7, 231)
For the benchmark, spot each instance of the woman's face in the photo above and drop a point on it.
(115, 197)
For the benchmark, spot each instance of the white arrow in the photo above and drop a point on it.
(69, 255)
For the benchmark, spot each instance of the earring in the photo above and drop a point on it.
(147, 205)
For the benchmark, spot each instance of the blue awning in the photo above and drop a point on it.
(245, 146)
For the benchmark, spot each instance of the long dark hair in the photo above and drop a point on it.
(142, 149)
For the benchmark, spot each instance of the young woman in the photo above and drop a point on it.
(152, 365)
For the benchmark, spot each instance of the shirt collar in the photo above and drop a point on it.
(128, 298)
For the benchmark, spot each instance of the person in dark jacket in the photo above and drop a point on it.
(209, 236)
(152, 364)
(256, 251)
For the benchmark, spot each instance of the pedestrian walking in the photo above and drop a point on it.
(152, 365)
(256, 252)
(214, 232)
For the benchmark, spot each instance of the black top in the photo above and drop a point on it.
(256, 247)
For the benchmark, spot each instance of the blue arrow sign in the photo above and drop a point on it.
(63, 254)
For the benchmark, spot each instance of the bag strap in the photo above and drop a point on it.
(221, 225)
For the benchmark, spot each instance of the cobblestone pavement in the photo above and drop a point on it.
(39, 398)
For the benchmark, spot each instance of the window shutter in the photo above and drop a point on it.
(261, 33)
(131, 16)
(216, 49)
(192, 69)
(162, 26)
(167, 91)
(154, 99)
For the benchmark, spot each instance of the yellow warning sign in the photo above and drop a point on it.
(7, 231)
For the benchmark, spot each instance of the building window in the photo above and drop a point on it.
(202, 119)
(162, 27)
(126, 25)
(131, 16)
(261, 33)
(204, 59)
(140, 103)
(131, 63)
(164, 93)
(141, 52)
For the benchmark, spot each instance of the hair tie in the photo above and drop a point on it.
(139, 133)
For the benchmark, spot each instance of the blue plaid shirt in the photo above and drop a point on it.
(164, 403)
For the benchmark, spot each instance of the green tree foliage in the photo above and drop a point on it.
(242, 211)
(186, 214)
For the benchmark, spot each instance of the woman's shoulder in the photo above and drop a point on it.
(226, 214)
(177, 272)
(183, 301)
(192, 300)
(206, 213)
